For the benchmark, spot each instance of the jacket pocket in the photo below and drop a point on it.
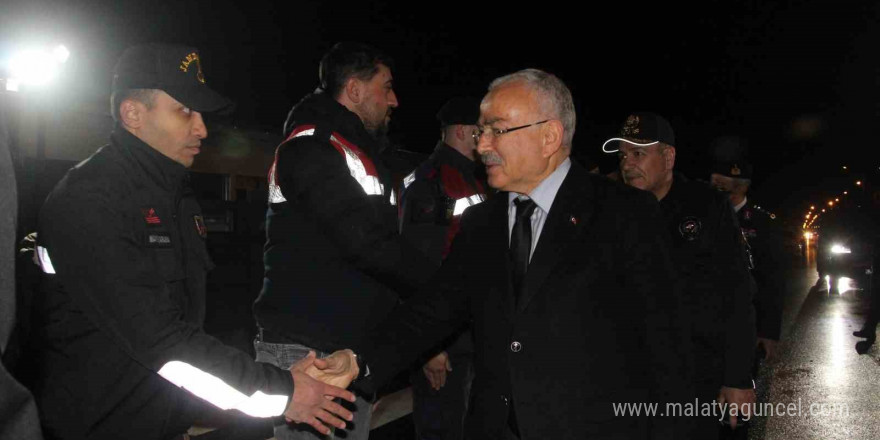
(169, 265)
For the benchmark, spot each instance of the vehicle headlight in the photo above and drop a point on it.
(840, 249)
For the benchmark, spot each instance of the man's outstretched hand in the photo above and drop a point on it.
(312, 401)
(339, 369)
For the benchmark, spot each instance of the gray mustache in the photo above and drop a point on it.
(491, 159)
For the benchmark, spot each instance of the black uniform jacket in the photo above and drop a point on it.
(335, 263)
(766, 241)
(434, 197)
(600, 323)
(710, 260)
(122, 314)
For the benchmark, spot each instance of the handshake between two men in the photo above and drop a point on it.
(316, 383)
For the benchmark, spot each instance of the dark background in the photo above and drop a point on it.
(798, 79)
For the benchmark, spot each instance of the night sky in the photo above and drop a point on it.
(798, 79)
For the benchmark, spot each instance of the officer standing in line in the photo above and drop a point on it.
(119, 349)
(732, 174)
(709, 259)
(434, 197)
(335, 262)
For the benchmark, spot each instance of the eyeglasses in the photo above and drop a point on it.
(495, 132)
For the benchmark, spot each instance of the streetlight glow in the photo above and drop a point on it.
(61, 54)
(35, 67)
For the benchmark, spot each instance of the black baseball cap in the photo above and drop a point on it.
(642, 129)
(739, 169)
(176, 70)
(459, 111)
(729, 157)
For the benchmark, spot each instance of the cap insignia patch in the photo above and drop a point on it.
(631, 127)
(193, 58)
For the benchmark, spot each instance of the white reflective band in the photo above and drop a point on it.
(466, 202)
(308, 132)
(409, 179)
(45, 262)
(393, 198)
(370, 184)
(263, 405)
(275, 195)
(627, 141)
(219, 394)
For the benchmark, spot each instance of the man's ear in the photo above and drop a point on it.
(669, 156)
(131, 113)
(551, 136)
(462, 132)
(353, 90)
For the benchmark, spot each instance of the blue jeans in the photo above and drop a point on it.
(285, 355)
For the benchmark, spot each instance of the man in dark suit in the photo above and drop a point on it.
(568, 282)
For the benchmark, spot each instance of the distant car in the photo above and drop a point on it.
(845, 248)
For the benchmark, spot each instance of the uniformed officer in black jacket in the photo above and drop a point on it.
(434, 197)
(709, 259)
(120, 350)
(732, 174)
(335, 262)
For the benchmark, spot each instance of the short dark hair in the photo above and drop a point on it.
(349, 59)
(144, 96)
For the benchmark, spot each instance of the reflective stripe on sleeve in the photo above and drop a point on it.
(219, 393)
(409, 179)
(275, 195)
(307, 132)
(45, 261)
(466, 202)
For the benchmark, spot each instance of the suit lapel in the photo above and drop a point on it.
(565, 223)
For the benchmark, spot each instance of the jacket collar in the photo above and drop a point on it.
(164, 171)
(444, 153)
(321, 109)
(672, 200)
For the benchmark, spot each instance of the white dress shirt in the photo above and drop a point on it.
(543, 195)
(740, 206)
